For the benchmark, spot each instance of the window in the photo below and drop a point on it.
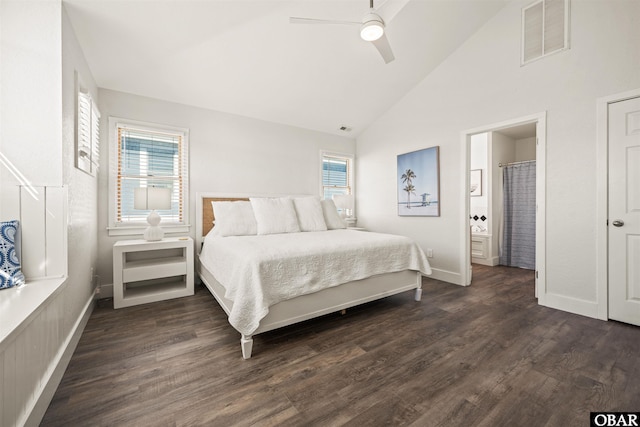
(88, 134)
(545, 29)
(147, 155)
(337, 174)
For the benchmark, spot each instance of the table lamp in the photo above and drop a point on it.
(153, 198)
(344, 202)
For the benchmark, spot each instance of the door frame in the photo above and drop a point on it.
(602, 198)
(541, 190)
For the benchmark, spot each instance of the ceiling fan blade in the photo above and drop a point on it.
(390, 8)
(294, 20)
(383, 46)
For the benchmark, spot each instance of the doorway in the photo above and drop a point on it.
(501, 151)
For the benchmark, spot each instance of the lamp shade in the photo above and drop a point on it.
(152, 198)
(146, 198)
(343, 201)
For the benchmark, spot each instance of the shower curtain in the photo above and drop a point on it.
(518, 247)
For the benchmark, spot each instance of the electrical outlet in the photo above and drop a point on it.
(429, 253)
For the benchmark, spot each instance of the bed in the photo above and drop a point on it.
(267, 280)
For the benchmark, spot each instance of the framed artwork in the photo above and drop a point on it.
(418, 178)
(475, 182)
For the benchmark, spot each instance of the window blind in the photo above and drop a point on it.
(88, 149)
(84, 124)
(149, 158)
(336, 176)
(95, 138)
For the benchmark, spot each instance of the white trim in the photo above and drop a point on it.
(572, 305)
(490, 262)
(465, 244)
(602, 198)
(465, 258)
(446, 276)
(113, 228)
(541, 204)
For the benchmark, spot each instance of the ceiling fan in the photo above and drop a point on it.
(372, 26)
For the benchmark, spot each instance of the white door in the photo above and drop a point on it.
(624, 211)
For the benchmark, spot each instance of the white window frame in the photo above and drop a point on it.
(129, 229)
(352, 170)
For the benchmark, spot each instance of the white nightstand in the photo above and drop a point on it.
(146, 272)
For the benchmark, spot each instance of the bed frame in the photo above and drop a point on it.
(304, 307)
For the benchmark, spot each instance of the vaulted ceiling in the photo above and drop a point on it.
(244, 57)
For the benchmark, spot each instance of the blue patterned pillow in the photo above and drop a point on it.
(10, 273)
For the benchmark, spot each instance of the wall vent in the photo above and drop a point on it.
(545, 29)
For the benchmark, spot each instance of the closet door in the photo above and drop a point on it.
(624, 211)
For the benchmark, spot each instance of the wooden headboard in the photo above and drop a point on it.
(208, 216)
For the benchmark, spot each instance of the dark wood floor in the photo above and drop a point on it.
(486, 355)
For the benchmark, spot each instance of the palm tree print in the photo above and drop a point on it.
(407, 178)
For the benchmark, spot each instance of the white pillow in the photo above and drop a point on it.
(310, 216)
(234, 219)
(331, 216)
(275, 215)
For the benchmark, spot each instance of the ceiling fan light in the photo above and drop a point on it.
(372, 30)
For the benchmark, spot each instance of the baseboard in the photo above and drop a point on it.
(571, 305)
(491, 262)
(60, 364)
(446, 276)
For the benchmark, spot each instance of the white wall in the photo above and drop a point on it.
(227, 153)
(82, 229)
(30, 110)
(483, 83)
(37, 119)
(525, 149)
(478, 159)
(503, 150)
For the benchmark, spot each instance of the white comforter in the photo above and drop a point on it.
(260, 271)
